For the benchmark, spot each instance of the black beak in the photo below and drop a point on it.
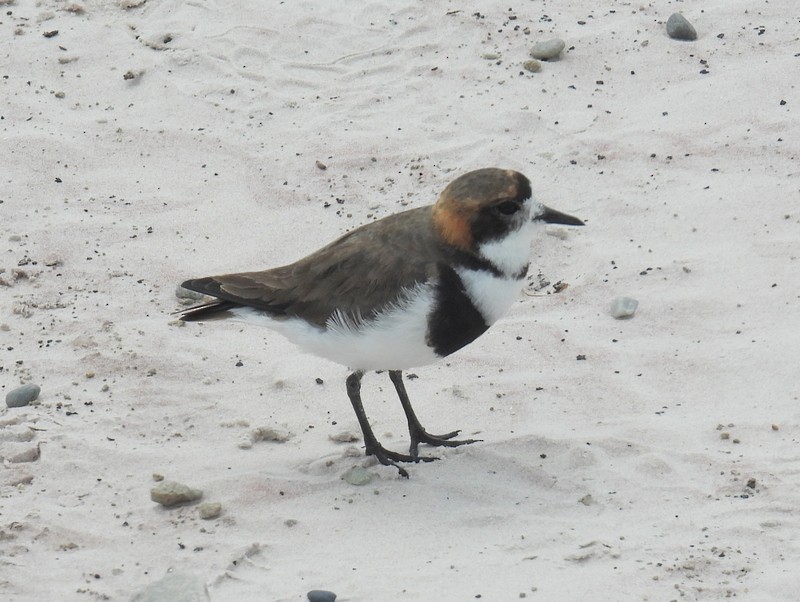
(551, 216)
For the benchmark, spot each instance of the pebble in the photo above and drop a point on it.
(357, 476)
(22, 396)
(548, 49)
(209, 510)
(679, 28)
(623, 307)
(175, 587)
(532, 65)
(321, 595)
(170, 493)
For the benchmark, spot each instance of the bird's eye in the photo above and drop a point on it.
(507, 207)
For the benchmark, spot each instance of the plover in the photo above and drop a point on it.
(400, 292)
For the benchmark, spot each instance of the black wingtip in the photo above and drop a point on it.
(206, 311)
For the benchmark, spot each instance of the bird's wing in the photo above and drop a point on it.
(357, 274)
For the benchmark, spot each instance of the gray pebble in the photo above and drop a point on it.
(357, 476)
(532, 65)
(623, 307)
(321, 595)
(548, 49)
(170, 493)
(209, 510)
(678, 28)
(22, 396)
(175, 587)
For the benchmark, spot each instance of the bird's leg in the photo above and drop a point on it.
(416, 431)
(371, 444)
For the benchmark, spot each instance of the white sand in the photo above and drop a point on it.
(204, 162)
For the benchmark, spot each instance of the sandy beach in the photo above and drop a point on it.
(654, 458)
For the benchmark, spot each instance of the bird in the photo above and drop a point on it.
(400, 292)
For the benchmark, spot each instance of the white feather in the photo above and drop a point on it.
(511, 253)
(395, 339)
(494, 294)
(491, 294)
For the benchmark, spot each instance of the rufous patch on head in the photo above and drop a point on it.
(452, 225)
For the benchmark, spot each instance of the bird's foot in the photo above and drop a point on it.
(422, 436)
(388, 457)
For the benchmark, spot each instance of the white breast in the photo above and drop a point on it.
(494, 294)
(491, 294)
(393, 340)
(511, 253)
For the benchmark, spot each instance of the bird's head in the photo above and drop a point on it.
(488, 205)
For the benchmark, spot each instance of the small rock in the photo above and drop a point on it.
(22, 396)
(170, 493)
(490, 56)
(623, 307)
(532, 65)
(321, 595)
(175, 587)
(679, 28)
(548, 49)
(587, 500)
(320, 165)
(357, 476)
(751, 483)
(209, 510)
